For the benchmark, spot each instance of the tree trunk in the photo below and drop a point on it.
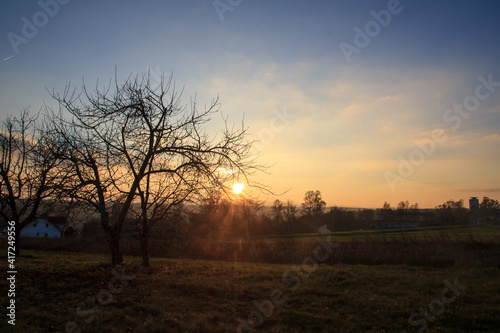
(145, 250)
(113, 238)
(114, 246)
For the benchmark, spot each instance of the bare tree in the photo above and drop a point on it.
(151, 152)
(209, 219)
(488, 203)
(290, 213)
(159, 194)
(89, 177)
(403, 205)
(29, 175)
(452, 212)
(313, 203)
(278, 211)
(489, 210)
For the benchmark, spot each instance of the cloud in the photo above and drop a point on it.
(480, 190)
(492, 137)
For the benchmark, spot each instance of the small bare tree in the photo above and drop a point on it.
(142, 146)
(290, 214)
(29, 175)
(278, 211)
(313, 204)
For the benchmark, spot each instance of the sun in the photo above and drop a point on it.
(237, 188)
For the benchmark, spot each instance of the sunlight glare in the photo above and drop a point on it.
(237, 188)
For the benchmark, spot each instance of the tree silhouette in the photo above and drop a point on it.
(313, 203)
(278, 211)
(451, 212)
(134, 144)
(29, 174)
(290, 212)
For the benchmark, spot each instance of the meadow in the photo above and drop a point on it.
(454, 232)
(321, 286)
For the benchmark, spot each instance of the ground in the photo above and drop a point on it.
(62, 291)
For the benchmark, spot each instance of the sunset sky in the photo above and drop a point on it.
(339, 92)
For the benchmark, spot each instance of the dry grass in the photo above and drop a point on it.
(183, 295)
(440, 248)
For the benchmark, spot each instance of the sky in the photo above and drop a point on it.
(365, 101)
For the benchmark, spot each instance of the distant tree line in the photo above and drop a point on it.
(219, 218)
(246, 220)
(314, 215)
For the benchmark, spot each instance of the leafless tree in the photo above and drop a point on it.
(278, 211)
(313, 204)
(89, 177)
(290, 212)
(140, 145)
(29, 174)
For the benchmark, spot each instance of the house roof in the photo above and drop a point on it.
(55, 220)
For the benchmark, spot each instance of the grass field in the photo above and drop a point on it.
(456, 232)
(432, 246)
(61, 291)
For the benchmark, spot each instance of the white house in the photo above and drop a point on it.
(51, 227)
(324, 229)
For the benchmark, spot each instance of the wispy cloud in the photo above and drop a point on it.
(492, 137)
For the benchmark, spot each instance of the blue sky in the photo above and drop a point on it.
(350, 122)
